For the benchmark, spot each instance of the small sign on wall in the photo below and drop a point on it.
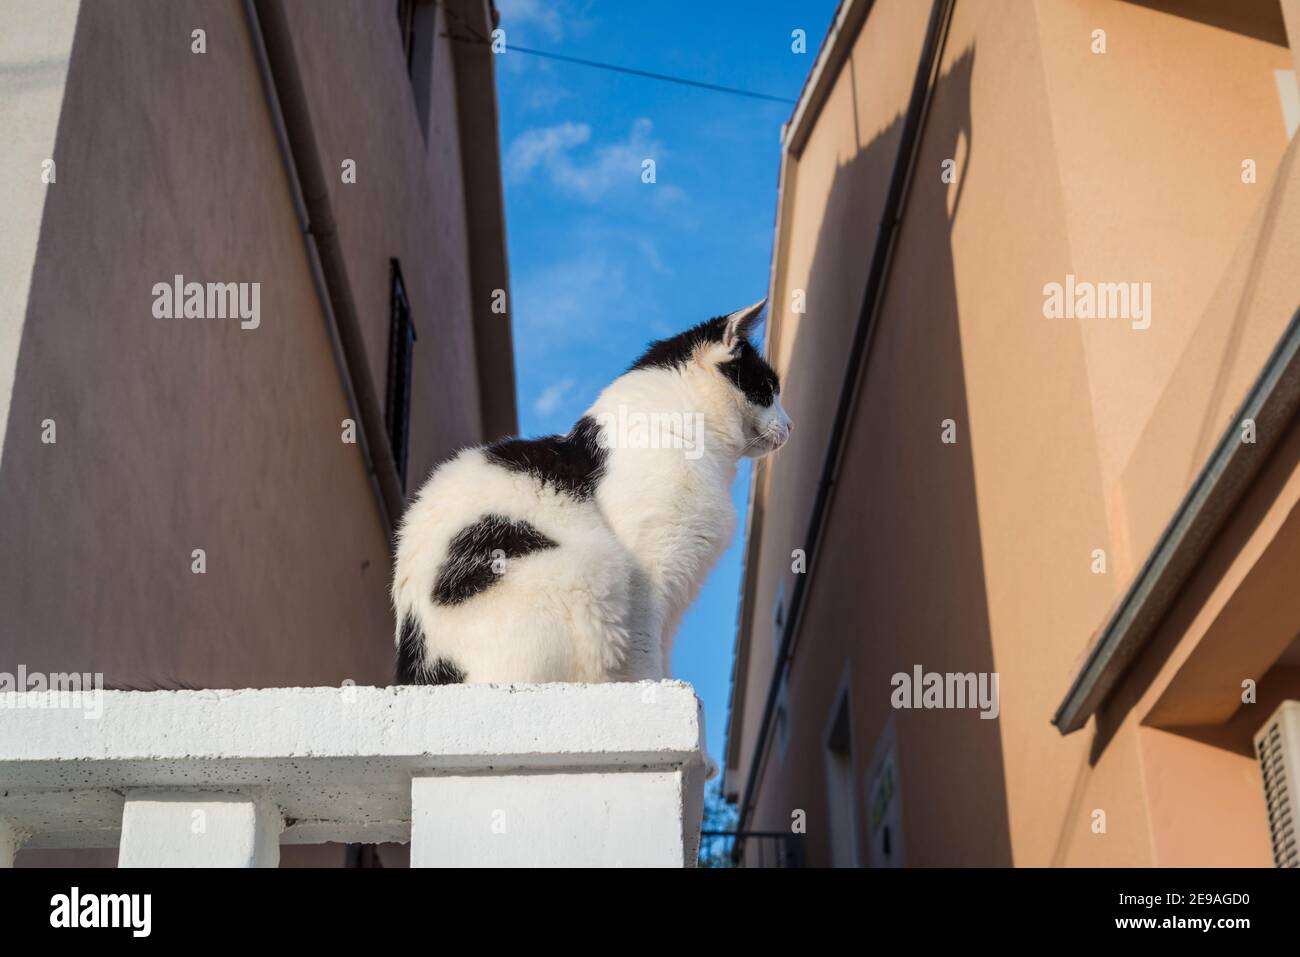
(884, 807)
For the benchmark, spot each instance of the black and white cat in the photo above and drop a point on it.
(573, 557)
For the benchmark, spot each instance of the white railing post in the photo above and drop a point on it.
(199, 829)
(585, 819)
(10, 841)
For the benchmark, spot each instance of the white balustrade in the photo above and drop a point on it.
(470, 775)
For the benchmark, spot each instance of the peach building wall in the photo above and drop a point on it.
(1073, 435)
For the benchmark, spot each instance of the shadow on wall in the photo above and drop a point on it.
(900, 580)
(1261, 19)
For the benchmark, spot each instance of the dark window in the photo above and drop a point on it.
(401, 342)
(417, 21)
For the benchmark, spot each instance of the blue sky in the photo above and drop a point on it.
(601, 263)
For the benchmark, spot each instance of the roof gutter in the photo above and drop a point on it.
(485, 220)
(927, 74)
(1216, 492)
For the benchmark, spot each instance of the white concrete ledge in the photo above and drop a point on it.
(337, 764)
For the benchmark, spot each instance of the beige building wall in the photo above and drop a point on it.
(1072, 435)
(176, 435)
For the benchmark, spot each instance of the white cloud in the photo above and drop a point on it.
(649, 250)
(542, 14)
(543, 95)
(590, 178)
(565, 299)
(551, 396)
(542, 146)
(666, 194)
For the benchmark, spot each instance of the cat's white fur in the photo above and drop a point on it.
(605, 604)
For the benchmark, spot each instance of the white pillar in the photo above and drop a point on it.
(620, 818)
(199, 829)
(10, 841)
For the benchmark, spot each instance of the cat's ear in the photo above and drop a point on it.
(740, 322)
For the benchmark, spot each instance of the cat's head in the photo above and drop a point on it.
(720, 363)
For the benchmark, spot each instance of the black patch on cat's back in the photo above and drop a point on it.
(468, 567)
(572, 463)
(411, 668)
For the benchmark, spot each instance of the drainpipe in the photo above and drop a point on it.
(927, 74)
(286, 99)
